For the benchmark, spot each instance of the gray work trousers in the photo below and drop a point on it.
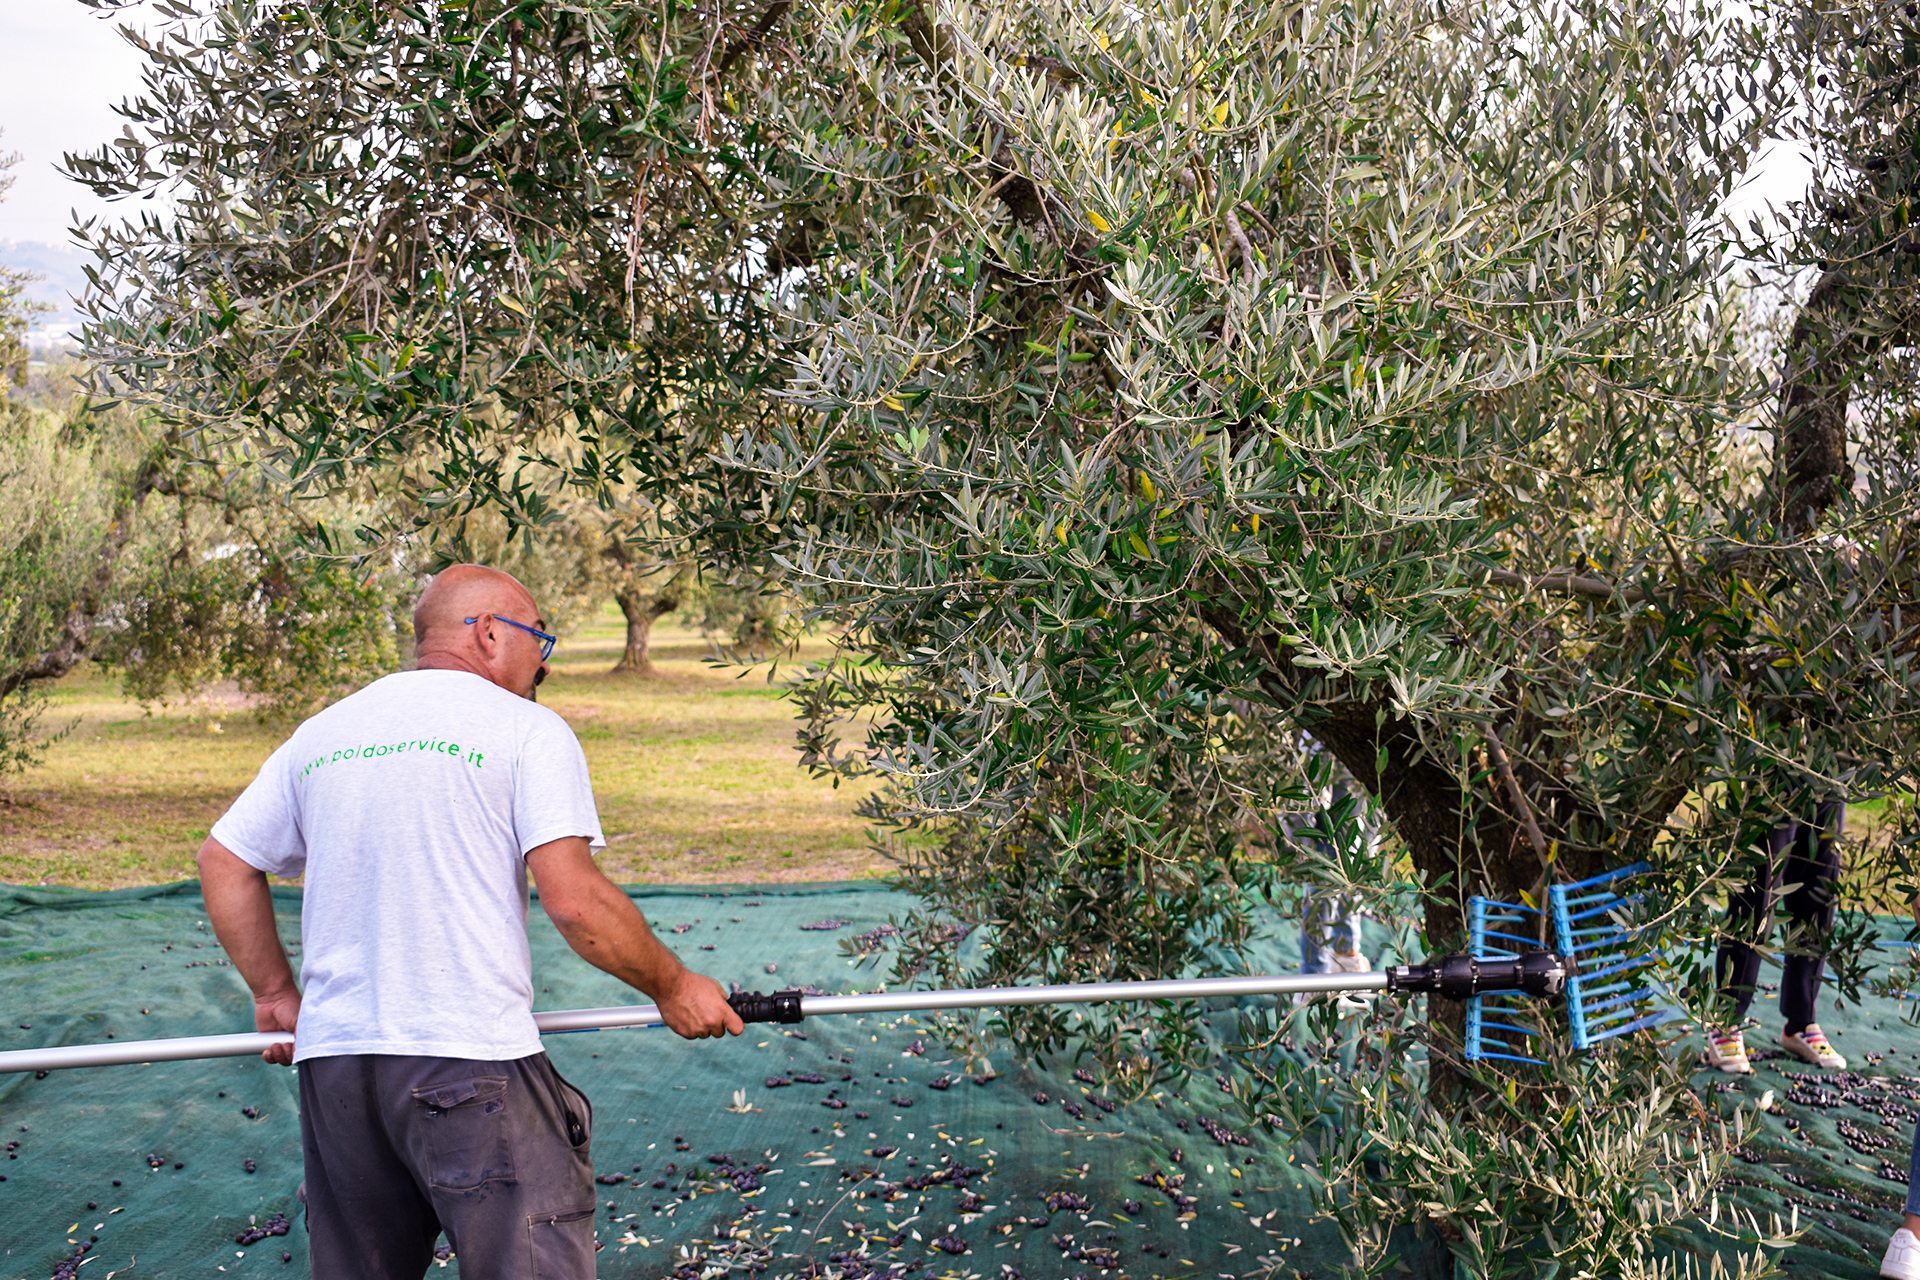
(399, 1149)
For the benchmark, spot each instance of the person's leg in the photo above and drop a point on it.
(1913, 1184)
(1737, 967)
(367, 1218)
(1813, 867)
(503, 1150)
(1316, 906)
(1902, 1258)
(1749, 912)
(1343, 927)
(1343, 947)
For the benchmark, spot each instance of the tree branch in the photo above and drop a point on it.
(1568, 584)
(1514, 791)
(1247, 261)
(774, 13)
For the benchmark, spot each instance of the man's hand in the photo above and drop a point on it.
(277, 1012)
(696, 1007)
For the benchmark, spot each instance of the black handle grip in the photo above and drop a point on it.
(1459, 977)
(781, 1006)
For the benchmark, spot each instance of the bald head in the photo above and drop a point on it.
(445, 639)
(461, 592)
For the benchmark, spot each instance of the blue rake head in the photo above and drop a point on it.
(1495, 1022)
(1610, 987)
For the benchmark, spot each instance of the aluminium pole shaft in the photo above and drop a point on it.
(185, 1048)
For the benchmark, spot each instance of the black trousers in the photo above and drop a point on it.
(399, 1149)
(1806, 855)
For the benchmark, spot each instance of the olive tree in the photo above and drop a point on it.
(49, 484)
(59, 487)
(1159, 398)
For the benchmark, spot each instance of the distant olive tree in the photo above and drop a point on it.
(57, 503)
(1138, 390)
(58, 507)
(15, 308)
(580, 555)
(223, 583)
(169, 568)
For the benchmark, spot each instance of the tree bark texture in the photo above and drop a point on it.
(1811, 454)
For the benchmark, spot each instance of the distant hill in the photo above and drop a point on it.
(63, 277)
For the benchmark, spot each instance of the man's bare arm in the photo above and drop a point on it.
(240, 905)
(602, 924)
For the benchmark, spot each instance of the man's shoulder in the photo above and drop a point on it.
(436, 694)
(399, 686)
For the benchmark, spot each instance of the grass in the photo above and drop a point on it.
(694, 769)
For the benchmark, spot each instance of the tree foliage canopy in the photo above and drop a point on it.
(1143, 388)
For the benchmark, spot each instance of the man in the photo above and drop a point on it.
(416, 808)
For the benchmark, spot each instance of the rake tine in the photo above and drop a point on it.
(1513, 1057)
(1608, 877)
(1607, 908)
(1505, 1026)
(1615, 978)
(1617, 1008)
(1615, 992)
(1651, 1020)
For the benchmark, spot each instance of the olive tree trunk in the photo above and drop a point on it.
(641, 610)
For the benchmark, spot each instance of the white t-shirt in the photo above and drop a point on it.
(411, 806)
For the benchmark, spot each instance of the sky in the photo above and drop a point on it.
(62, 70)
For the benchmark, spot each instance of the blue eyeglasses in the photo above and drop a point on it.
(546, 641)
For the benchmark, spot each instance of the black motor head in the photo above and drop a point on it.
(1461, 977)
(1542, 973)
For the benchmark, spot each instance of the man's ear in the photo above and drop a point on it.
(483, 631)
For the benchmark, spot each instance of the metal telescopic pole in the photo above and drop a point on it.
(646, 1015)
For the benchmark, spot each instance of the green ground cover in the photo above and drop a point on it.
(694, 769)
(156, 1169)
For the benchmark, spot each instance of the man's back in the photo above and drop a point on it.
(410, 806)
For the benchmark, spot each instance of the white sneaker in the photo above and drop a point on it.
(1727, 1051)
(1903, 1257)
(1811, 1047)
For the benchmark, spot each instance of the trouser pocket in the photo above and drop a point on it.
(468, 1132)
(576, 1110)
(561, 1244)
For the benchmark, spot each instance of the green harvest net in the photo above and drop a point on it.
(178, 1138)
